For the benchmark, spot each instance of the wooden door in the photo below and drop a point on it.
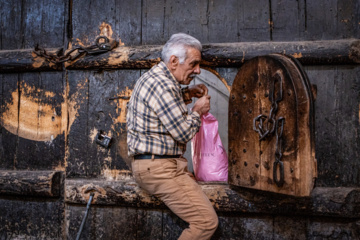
(271, 127)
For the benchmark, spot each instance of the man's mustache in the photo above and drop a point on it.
(193, 75)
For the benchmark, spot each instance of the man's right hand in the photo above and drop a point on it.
(202, 105)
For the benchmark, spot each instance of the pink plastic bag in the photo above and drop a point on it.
(210, 160)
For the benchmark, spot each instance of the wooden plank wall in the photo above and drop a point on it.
(75, 104)
(152, 22)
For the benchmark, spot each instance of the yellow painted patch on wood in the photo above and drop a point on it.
(78, 41)
(60, 167)
(124, 98)
(297, 55)
(106, 30)
(118, 56)
(73, 105)
(37, 120)
(88, 188)
(39, 61)
(115, 174)
(34, 120)
(93, 133)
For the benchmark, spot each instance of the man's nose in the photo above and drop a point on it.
(197, 69)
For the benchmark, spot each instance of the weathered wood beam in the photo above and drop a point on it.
(13, 61)
(338, 202)
(325, 52)
(30, 183)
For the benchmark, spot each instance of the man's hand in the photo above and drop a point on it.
(198, 90)
(202, 105)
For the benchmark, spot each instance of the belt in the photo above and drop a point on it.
(149, 156)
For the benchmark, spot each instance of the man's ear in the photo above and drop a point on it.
(173, 62)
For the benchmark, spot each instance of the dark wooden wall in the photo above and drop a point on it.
(79, 101)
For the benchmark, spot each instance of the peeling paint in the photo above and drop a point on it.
(40, 61)
(116, 175)
(124, 98)
(297, 55)
(93, 133)
(88, 188)
(73, 104)
(79, 42)
(36, 120)
(118, 56)
(60, 167)
(106, 30)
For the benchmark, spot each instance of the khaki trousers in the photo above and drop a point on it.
(170, 180)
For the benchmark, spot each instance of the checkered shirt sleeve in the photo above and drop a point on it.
(158, 121)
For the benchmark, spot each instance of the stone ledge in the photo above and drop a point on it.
(332, 202)
(30, 183)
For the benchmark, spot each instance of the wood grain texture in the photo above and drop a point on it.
(337, 124)
(121, 211)
(8, 142)
(251, 161)
(331, 52)
(33, 22)
(31, 183)
(78, 138)
(41, 142)
(102, 222)
(288, 20)
(11, 33)
(32, 218)
(26, 61)
(87, 20)
(100, 101)
(322, 201)
(331, 19)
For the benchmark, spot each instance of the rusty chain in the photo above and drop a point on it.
(265, 129)
(102, 44)
(267, 125)
(278, 153)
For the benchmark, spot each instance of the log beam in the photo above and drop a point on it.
(336, 202)
(14, 61)
(327, 52)
(31, 183)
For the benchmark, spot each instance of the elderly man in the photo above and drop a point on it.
(159, 126)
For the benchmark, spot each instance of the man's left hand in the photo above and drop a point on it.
(198, 90)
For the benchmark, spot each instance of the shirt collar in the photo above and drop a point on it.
(167, 72)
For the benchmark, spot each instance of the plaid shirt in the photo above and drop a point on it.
(157, 118)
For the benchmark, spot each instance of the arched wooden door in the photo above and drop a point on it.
(271, 127)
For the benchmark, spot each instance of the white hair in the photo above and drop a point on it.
(177, 45)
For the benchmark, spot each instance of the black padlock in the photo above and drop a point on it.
(103, 140)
